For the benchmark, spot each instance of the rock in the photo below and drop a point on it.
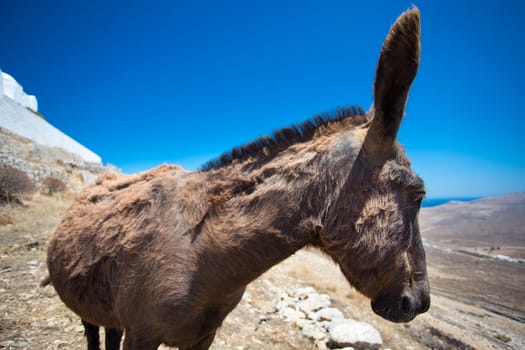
(247, 297)
(21, 344)
(328, 314)
(312, 316)
(269, 309)
(292, 315)
(325, 324)
(60, 344)
(359, 335)
(51, 323)
(303, 293)
(313, 331)
(314, 302)
(283, 304)
(302, 322)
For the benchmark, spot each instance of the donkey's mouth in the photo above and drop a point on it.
(400, 308)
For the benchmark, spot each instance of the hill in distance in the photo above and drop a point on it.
(476, 256)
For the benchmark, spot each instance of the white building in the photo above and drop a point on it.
(11, 88)
(15, 117)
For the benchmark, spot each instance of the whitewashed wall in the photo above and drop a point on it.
(23, 122)
(11, 88)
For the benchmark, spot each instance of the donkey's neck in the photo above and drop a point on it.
(265, 214)
(252, 232)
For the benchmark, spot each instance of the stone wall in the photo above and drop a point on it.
(39, 161)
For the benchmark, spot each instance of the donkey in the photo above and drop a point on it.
(165, 255)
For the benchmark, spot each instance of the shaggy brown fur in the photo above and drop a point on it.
(165, 255)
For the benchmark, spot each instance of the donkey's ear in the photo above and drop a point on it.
(395, 72)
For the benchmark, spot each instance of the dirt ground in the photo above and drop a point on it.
(32, 317)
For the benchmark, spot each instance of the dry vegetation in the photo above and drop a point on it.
(51, 185)
(14, 183)
(25, 308)
(34, 318)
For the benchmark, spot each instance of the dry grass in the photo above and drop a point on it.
(27, 309)
(5, 219)
(28, 225)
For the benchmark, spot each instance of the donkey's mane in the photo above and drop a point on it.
(268, 146)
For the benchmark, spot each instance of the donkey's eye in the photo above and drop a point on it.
(417, 197)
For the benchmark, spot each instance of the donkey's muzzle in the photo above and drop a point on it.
(402, 307)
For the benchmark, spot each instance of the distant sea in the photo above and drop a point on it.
(432, 202)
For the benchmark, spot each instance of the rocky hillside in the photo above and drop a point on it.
(494, 223)
(475, 256)
(40, 161)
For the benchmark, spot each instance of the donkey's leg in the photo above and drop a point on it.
(113, 337)
(91, 333)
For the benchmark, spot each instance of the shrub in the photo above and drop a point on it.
(13, 183)
(53, 185)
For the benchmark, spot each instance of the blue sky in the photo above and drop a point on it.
(149, 82)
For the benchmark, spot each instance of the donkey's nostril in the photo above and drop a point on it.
(406, 304)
